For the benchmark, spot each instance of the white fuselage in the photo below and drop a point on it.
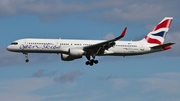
(121, 48)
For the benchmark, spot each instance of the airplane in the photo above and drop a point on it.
(76, 49)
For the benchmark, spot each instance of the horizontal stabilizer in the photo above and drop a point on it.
(162, 46)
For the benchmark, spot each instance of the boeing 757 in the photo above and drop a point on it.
(75, 49)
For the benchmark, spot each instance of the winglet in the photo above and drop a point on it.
(123, 33)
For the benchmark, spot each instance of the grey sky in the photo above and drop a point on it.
(116, 10)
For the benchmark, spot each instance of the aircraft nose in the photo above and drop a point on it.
(8, 48)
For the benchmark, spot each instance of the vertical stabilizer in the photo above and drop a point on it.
(158, 34)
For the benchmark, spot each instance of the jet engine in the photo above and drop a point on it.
(73, 54)
(66, 57)
(76, 52)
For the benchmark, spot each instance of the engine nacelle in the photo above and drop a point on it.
(76, 52)
(66, 57)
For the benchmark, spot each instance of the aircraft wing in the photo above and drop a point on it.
(100, 47)
(162, 46)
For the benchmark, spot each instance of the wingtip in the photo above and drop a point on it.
(124, 32)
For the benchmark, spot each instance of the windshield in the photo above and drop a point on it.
(14, 43)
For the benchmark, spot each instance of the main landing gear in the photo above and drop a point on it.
(90, 61)
(26, 56)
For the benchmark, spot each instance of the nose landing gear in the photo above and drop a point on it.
(26, 56)
(27, 60)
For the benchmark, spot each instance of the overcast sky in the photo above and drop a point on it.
(47, 78)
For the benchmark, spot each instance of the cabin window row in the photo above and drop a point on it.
(40, 43)
(127, 45)
(64, 44)
(76, 44)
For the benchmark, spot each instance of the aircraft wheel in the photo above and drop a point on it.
(95, 61)
(27, 60)
(92, 61)
(91, 64)
(87, 62)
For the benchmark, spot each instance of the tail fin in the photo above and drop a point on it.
(158, 34)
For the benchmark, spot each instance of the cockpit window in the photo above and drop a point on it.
(14, 43)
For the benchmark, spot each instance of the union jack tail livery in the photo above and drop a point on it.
(158, 34)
